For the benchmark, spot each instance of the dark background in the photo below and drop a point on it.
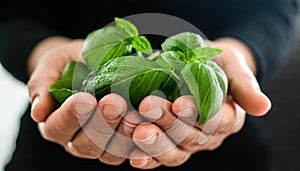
(282, 123)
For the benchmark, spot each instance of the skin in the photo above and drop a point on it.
(152, 136)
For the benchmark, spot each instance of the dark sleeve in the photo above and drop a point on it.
(19, 32)
(268, 29)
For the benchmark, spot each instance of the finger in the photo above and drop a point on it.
(185, 108)
(243, 85)
(154, 142)
(209, 142)
(187, 136)
(92, 140)
(227, 120)
(141, 160)
(121, 144)
(42, 102)
(63, 123)
(46, 72)
(159, 111)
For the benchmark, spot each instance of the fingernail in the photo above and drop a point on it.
(128, 127)
(139, 163)
(35, 102)
(82, 109)
(149, 140)
(112, 112)
(154, 113)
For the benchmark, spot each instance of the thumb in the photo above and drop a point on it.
(42, 102)
(49, 66)
(243, 86)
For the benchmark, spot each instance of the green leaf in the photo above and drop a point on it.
(151, 82)
(171, 59)
(222, 78)
(184, 42)
(62, 89)
(127, 26)
(171, 88)
(105, 44)
(70, 82)
(204, 85)
(206, 53)
(132, 77)
(75, 71)
(141, 44)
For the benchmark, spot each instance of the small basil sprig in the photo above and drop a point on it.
(113, 41)
(183, 67)
(206, 81)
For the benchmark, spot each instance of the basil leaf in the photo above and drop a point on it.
(171, 59)
(104, 44)
(171, 88)
(149, 82)
(206, 53)
(127, 26)
(132, 77)
(62, 89)
(222, 78)
(75, 71)
(204, 85)
(101, 77)
(141, 44)
(70, 82)
(184, 42)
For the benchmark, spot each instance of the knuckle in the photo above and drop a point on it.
(33, 83)
(171, 125)
(191, 144)
(224, 125)
(236, 128)
(240, 79)
(50, 135)
(213, 147)
(215, 143)
(87, 151)
(239, 123)
(68, 120)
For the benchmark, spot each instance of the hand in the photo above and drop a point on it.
(94, 130)
(173, 136)
(81, 125)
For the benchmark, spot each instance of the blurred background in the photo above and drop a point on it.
(282, 124)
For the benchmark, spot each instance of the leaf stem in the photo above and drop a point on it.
(154, 55)
(139, 53)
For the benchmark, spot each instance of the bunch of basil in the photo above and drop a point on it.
(115, 63)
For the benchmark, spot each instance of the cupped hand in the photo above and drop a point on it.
(173, 134)
(94, 130)
(83, 126)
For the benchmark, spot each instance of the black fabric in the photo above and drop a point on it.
(265, 25)
(244, 151)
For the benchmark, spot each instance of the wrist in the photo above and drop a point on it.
(42, 47)
(240, 47)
